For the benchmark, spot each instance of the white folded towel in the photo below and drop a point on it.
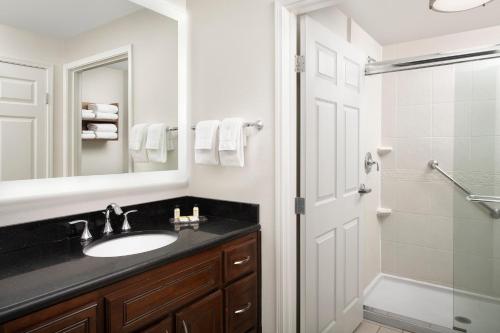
(205, 146)
(172, 138)
(103, 107)
(88, 136)
(88, 114)
(137, 143)
(106, 135)
(105, 116)
(102, 127)
(87, 132)
(156, 143)
(232, 140)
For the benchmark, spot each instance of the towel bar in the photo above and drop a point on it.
(257, 124)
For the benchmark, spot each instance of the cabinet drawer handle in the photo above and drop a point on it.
(242, 261)
(184, 325)
(244, 309)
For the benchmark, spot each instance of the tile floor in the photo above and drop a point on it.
(372, 327)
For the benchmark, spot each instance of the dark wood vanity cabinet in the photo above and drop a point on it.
(217, 290)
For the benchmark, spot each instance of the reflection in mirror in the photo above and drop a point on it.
(87, 87)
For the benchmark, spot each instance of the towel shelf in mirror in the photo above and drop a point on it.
(87, 121)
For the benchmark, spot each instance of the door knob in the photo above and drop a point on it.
(363, 189)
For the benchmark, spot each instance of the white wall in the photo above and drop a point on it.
(343, 26)
(448, 114)
(453, 42)
(101, 157)
(233, 75)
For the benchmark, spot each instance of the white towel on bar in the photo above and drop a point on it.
(137, 143)
(205, 145)
(232, 141)
(87, 114)
(172, 138)
(106, 135)
(105, 116)
(156, 143)
(110, 108)
(88, 136)
(102, 127)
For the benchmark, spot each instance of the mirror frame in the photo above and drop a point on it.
(35, 199)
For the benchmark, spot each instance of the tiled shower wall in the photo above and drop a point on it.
(450, 114)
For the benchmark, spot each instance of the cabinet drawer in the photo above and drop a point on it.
(240, 259)
(141, 305)
(164, 326)
(241, 305)
(80, 320)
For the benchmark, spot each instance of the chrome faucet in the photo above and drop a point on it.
(108, 230)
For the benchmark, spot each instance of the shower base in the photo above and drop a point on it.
(427, 308)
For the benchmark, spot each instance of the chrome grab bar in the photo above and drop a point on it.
(480, 199)
(483, 198)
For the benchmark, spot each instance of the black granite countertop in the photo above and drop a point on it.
(34, 277)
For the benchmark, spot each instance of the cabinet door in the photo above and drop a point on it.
(81, 320)
(204, 316)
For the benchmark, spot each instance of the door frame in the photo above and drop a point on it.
(286, 147)
(71, 101)
(49, 74)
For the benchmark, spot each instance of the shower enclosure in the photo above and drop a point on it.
(441, 244)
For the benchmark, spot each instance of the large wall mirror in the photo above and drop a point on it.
(87, 87)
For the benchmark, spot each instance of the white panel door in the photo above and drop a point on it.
(24, 137)
(330, 177)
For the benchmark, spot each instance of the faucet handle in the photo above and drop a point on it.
(126, 226)
(86, 235)
(130, 211)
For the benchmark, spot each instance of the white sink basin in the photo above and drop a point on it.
(128, 245)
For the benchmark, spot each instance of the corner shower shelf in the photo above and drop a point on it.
(382, 212)
(384, 150)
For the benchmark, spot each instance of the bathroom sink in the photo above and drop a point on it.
(129, 245)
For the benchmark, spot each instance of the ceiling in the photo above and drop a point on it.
(396, 21)
(62, 18)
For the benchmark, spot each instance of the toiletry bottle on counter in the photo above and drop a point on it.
(177, 212)
(196, 212)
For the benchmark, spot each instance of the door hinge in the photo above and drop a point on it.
(47, 98)
(300, 64)
(300, 206)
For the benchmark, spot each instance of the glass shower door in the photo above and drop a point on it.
(476, 165)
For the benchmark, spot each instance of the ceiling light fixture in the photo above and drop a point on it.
(450, 6)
